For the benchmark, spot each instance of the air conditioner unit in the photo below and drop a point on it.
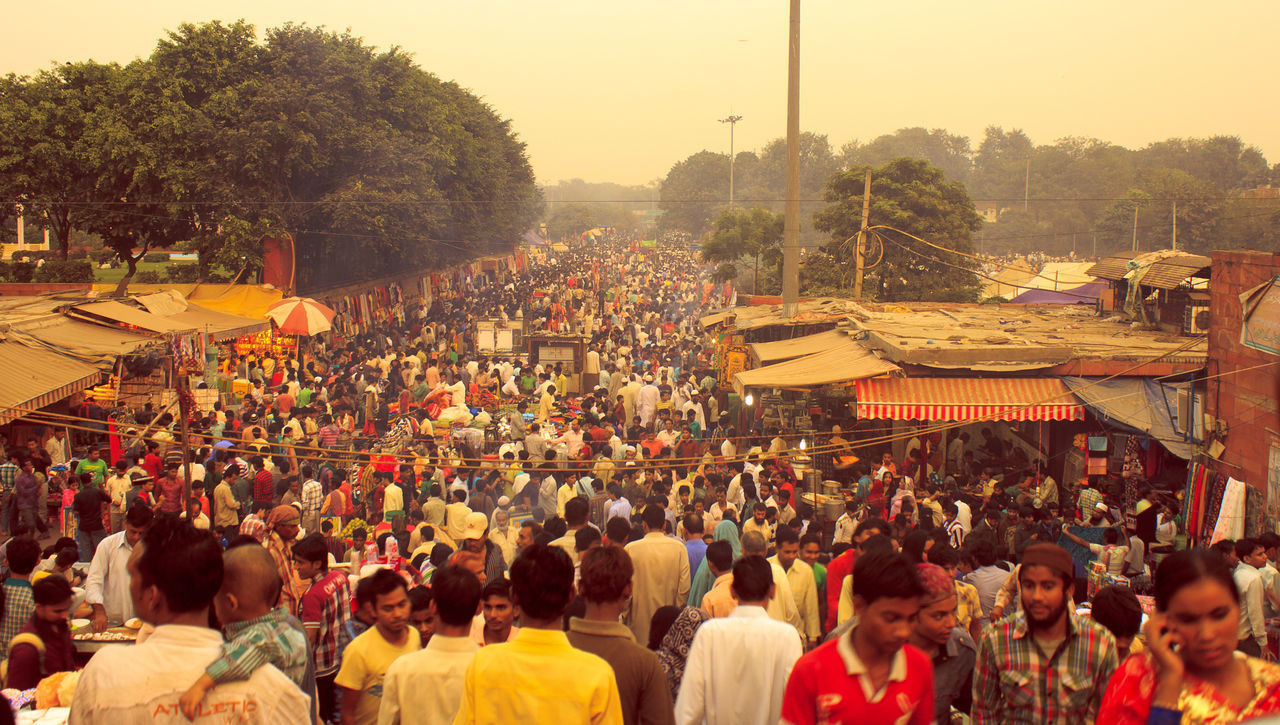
(1195, 320)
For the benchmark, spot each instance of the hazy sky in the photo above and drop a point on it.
(619, 91)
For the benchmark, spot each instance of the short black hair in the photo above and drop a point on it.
(654, 517)
(752, 577)
(1117, 609)
(584, 537)
(312, 548)
(23, 554)
(419, 598)
(139, 515)
(51, 590)
(183, 562)
(497, 588)
(576, 510)
(878, 524)
(886, 575)
(606, 572)
(457, 594)
(1245, 547)
(785, 535)
(618, 530)
(720, 555)
(944, 556)
(542, 581)
(379, 584)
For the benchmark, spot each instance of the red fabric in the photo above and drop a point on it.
(821, 690)
(1132, 687)
(839, 568)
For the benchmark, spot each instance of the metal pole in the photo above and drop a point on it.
(1026, 187)
(1135, 227)
(1175, 226)
(732, 120)
(862, 234)
(791, 229)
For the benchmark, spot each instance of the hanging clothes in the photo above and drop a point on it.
(1230, 523)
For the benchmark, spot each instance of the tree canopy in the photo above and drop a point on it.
(217, 140)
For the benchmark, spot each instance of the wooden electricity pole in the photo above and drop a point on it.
(860, 254)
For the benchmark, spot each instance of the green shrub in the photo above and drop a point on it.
(155, 257)
(147, 276)
(179, 273)
(17, 271)
(105, 256)
(71, 271)
(78, 253)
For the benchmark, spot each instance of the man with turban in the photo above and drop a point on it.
(282, 529)
(949, 646)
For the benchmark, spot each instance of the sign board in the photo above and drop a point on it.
(555, 354)
(1260, 328)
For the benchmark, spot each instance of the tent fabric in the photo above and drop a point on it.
(219, 325)
(1139, 404)
(132, 316)
(87, 342)
(236, 299)
(962, 399)
(771, 352)
(842, 364)
(1084, 294)
(34, 378)
(169, 302)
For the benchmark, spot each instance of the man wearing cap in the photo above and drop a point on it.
(475, 539)
(647, 401)
(282, 528)
(952, 650)
(1043, 664)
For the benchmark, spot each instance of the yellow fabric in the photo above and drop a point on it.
(968, 604)
(364, 664)
(538, 677)
(237, 299)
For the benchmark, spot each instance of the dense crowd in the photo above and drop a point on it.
(399, 527)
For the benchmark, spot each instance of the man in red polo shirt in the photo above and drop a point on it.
(870, 675)
(842, 566)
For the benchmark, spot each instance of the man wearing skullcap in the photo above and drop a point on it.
(935, 632)
(1043, 664)
(282, 529)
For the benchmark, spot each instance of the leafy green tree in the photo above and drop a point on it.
(693, 192)
(949, 152)
(742, 240)
(913, 196)
(569, 221)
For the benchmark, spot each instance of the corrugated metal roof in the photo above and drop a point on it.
(32, 378)
(1171, 272)
(1113, 266)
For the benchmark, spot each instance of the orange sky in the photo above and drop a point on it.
(618, 91)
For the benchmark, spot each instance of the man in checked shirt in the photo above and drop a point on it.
(1043, 664)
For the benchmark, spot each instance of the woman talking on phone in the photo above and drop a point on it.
(1191, 673)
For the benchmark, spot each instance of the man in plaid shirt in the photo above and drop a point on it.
(8, 475)
(1043, 664)
(325, 609)
(312, 500)
(23, 554)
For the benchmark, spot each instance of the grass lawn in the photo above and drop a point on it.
(112, 276)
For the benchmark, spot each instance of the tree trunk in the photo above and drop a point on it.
(127, 255)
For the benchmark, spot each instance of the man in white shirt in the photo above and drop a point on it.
(107, 585)
(661, 572)
(426, 686)
(801, 580)
(846, 524)
(117, 485)
(738, 665)
(178, 570)
(56, 447)
(1252, 632)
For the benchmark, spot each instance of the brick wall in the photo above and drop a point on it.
(28, 289)
(1247, 401)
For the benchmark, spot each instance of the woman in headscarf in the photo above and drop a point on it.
(674, 651)
(703, 580)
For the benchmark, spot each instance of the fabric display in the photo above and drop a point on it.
(1230, 524)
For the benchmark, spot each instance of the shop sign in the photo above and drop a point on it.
(1260, 328)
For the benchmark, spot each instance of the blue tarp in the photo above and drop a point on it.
(1139, 404)
(1084, 294)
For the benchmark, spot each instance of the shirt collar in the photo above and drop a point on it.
(15, 581)
(600, 629)
(271, 618)
(441, 643)
(854, 665)
(542, 637)
(751, 611)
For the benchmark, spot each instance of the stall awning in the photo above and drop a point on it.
(219, 325)
(958, 399)
(31, 378)
(1143, 405)
(841, 364)
(132, 316)
(771, 352)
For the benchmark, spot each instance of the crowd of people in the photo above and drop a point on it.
(398, 528)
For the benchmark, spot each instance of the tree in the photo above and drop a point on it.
(569, 221)
(739, 235)
(693, 192)
(948, 152)
(913, 196)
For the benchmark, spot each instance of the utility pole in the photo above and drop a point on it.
(860, 254)
(1026, 187)
(791, 229)
(1094, 255)
(1135, 227)
(1175, 225)
(732, 121)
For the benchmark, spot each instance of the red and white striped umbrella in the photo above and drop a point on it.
(300, 316)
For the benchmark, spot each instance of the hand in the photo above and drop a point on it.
(1161, 641)
(190, 701)
(99, 619)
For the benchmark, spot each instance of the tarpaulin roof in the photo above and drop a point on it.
(219, 325)
(958, 399)
(1086, 294)
(85, 341)
(235, 299)
(130, 315)
(769, 352)
(33, 378)
(1139, 404)
(841, 364)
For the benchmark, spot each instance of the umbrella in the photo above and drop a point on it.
(300, 316)
(222, 444)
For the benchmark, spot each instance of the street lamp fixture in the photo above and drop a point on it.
(732, 121)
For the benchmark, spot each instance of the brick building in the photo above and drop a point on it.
(1245, 404)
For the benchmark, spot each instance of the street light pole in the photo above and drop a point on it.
(791, 225)
(732, 121)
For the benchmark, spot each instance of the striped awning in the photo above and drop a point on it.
(958, 399)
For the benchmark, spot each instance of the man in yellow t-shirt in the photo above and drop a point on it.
(366, 659)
